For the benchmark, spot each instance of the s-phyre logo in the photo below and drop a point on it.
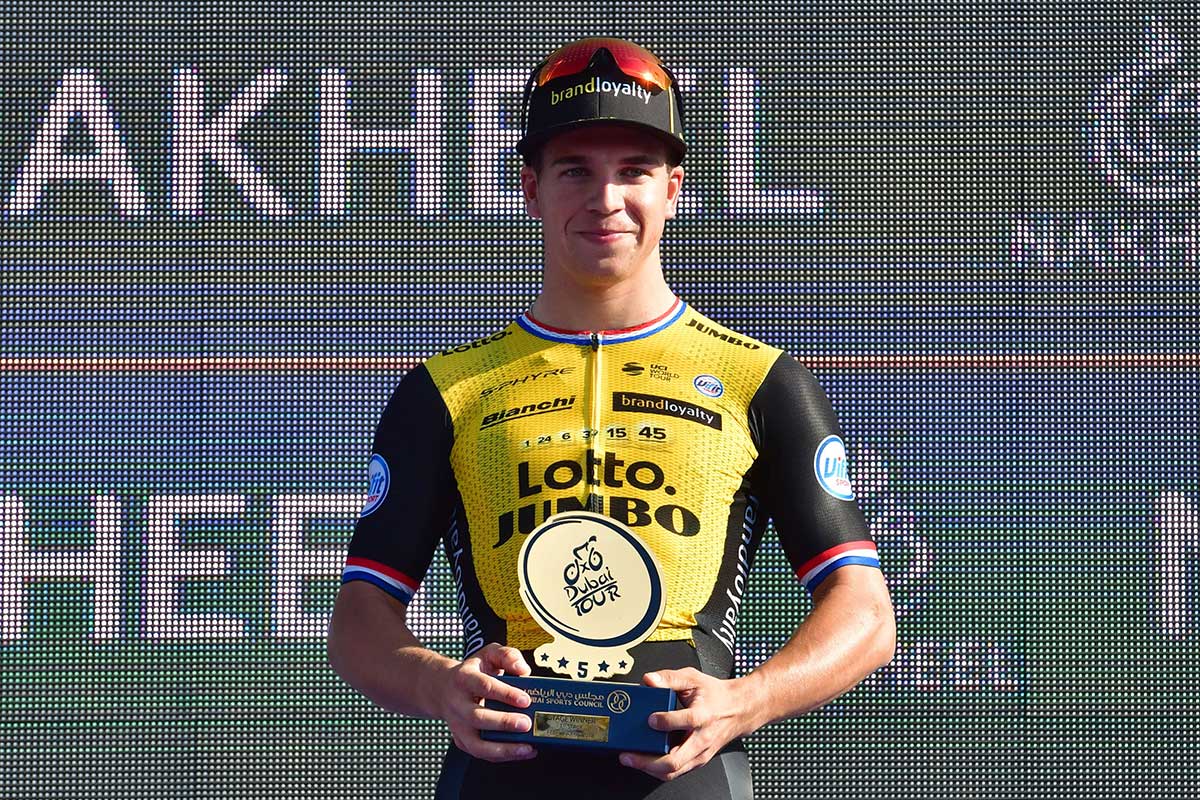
(1145, 131)
(379, 477)
(531, 377)
(833, 474)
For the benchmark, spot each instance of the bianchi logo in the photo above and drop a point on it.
(527, 410)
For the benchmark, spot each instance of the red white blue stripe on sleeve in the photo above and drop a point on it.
(817, 568)
(392, 581)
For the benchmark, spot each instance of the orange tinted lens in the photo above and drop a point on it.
(636, 62)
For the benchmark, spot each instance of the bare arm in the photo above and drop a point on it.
(850, 633)
(372, 648)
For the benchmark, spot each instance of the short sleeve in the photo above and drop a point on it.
(410, 490)
(802, 475)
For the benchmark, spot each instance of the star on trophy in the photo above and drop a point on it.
(597, 590)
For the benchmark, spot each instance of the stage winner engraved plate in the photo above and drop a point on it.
(597, 589)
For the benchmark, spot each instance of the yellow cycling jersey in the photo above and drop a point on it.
(680, 428)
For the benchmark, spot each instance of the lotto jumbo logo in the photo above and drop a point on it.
(832, 472)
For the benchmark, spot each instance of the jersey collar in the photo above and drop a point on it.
(544, 331)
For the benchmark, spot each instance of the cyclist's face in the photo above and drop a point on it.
(603, 195)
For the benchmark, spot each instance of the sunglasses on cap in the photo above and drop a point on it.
(636, 62)
(632, 60)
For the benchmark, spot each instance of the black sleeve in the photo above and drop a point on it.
(802, 474)
(410, 493)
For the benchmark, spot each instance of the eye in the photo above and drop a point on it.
(574, 172)
(636, 172)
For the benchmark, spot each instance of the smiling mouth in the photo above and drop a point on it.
(603, 236)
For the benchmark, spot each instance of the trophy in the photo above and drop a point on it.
(596, 588)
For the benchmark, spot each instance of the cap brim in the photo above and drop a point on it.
(528, 146)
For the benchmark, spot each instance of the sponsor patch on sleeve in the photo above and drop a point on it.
(833, 474)
(379, 477)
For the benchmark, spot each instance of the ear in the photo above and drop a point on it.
(674, 185)
(529, 190)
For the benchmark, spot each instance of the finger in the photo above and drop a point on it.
(655, 766)
(469, 742)
(681, 719)
(676, 679)
(470, 719)
(483, 686)
(519, 665)
(487, 719)
(509, 660)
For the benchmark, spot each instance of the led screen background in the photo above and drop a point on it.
(975, 222)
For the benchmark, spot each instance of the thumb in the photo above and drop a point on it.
(664, 679)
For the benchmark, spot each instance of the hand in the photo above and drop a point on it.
(713, 715)
(468, 684)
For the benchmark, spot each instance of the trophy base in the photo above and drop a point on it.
(588, 715)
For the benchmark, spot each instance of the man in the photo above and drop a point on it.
(612, 395)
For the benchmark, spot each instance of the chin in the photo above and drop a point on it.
(605, 271)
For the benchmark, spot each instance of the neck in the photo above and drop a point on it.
(600, 308)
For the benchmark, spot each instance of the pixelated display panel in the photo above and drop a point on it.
(228, 229)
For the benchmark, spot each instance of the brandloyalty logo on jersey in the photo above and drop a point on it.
(667, 406)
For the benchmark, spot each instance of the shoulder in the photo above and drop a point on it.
(726, 353)
(473, 358)
(696, 324)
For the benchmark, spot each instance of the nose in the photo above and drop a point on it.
(604, 197)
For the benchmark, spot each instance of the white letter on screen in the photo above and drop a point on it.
(424, 139)
(196, 141)
(294, 563)
(21, 565)
(79, 94)
(741, 178)
(168, 564)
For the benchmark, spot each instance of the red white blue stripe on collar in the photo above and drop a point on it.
(392, 581)
(818, 568)
(543, 331)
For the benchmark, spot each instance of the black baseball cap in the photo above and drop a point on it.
(601, 80)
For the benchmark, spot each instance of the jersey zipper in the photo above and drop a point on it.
(594, 441)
